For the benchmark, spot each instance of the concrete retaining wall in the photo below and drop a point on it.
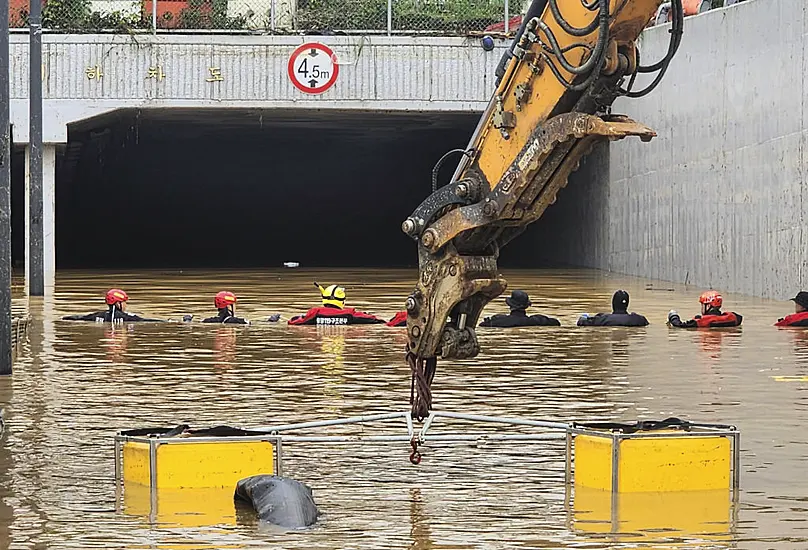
(720, 198)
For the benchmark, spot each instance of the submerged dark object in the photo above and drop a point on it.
(279, 500)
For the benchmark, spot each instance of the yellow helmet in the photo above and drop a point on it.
(333, 295)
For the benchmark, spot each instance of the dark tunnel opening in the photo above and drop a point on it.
(248, 189)
(233, 188)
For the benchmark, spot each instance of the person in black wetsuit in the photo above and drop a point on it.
(619, 317)
(116, 313)
(519, 301)
(225, 302)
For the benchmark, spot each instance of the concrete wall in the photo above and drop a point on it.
(376, 73)
(720, 198)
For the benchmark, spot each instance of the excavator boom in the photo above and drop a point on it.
(569, 61)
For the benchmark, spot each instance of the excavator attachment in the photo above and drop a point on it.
(568, 62)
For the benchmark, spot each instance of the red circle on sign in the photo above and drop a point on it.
(302, 49)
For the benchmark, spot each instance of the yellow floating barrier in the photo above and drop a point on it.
(653, 479)
(188, 477)
(654, 457)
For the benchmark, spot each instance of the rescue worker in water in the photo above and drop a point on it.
(333, 311)
(225, 302)
(619, 317)
(711, 315)
(519, 301)
(800, 316)
(116, 300)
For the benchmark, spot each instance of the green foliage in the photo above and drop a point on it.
(77, 16)
(456, 16)
(208, 14)
(450, 16)
(65, 14)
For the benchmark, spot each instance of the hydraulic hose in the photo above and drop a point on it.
(534, 10)
(440, 162)
(596, 58)
(569, 29)
(677, 29)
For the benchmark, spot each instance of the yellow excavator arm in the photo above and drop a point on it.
(569, 61)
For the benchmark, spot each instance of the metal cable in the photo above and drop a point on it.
(423, 372)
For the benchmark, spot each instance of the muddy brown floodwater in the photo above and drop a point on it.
(76, 384)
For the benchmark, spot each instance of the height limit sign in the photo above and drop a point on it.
(313, 68)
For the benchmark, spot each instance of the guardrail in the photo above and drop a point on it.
(19, 332)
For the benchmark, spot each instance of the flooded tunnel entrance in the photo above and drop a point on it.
(182, 188)
(237, 188)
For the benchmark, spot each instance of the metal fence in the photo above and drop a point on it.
(460, 17)
(19, 332)
(457, 17)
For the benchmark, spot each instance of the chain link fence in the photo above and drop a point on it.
(453, 17)
(458, 17)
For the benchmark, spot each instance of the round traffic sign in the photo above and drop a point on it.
(312, 68)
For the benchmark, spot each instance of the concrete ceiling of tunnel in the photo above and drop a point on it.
(209, 122)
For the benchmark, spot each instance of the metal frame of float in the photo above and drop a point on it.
(701, 431)
(279, 435)
(614, 496)
(559, 430)
(274, 435)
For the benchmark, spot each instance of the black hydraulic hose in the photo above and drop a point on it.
(571, 47)
(676, 37)
(534, 10)
(677, 29)
(569, 29)
(600, 48)
(440, 162)
(633, 75)
(590, 5)
(573, 87)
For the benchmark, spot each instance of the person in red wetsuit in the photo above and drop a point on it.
(399, 320)
(800, 316)
(333, 311)
(711, 315)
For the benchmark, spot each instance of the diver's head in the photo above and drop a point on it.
(225, 300)
(710, 300)
(518, 300)
(800, 302)
(620, 302)
(333, 296)
(116, 299)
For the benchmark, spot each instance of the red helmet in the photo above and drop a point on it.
(224, 299)
(711, 298)
(115, 296)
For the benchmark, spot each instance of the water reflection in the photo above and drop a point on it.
(77, 383)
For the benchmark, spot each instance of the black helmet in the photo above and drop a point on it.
(620, 301)
(518, 300)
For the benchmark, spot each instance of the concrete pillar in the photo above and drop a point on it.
(48, 212)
